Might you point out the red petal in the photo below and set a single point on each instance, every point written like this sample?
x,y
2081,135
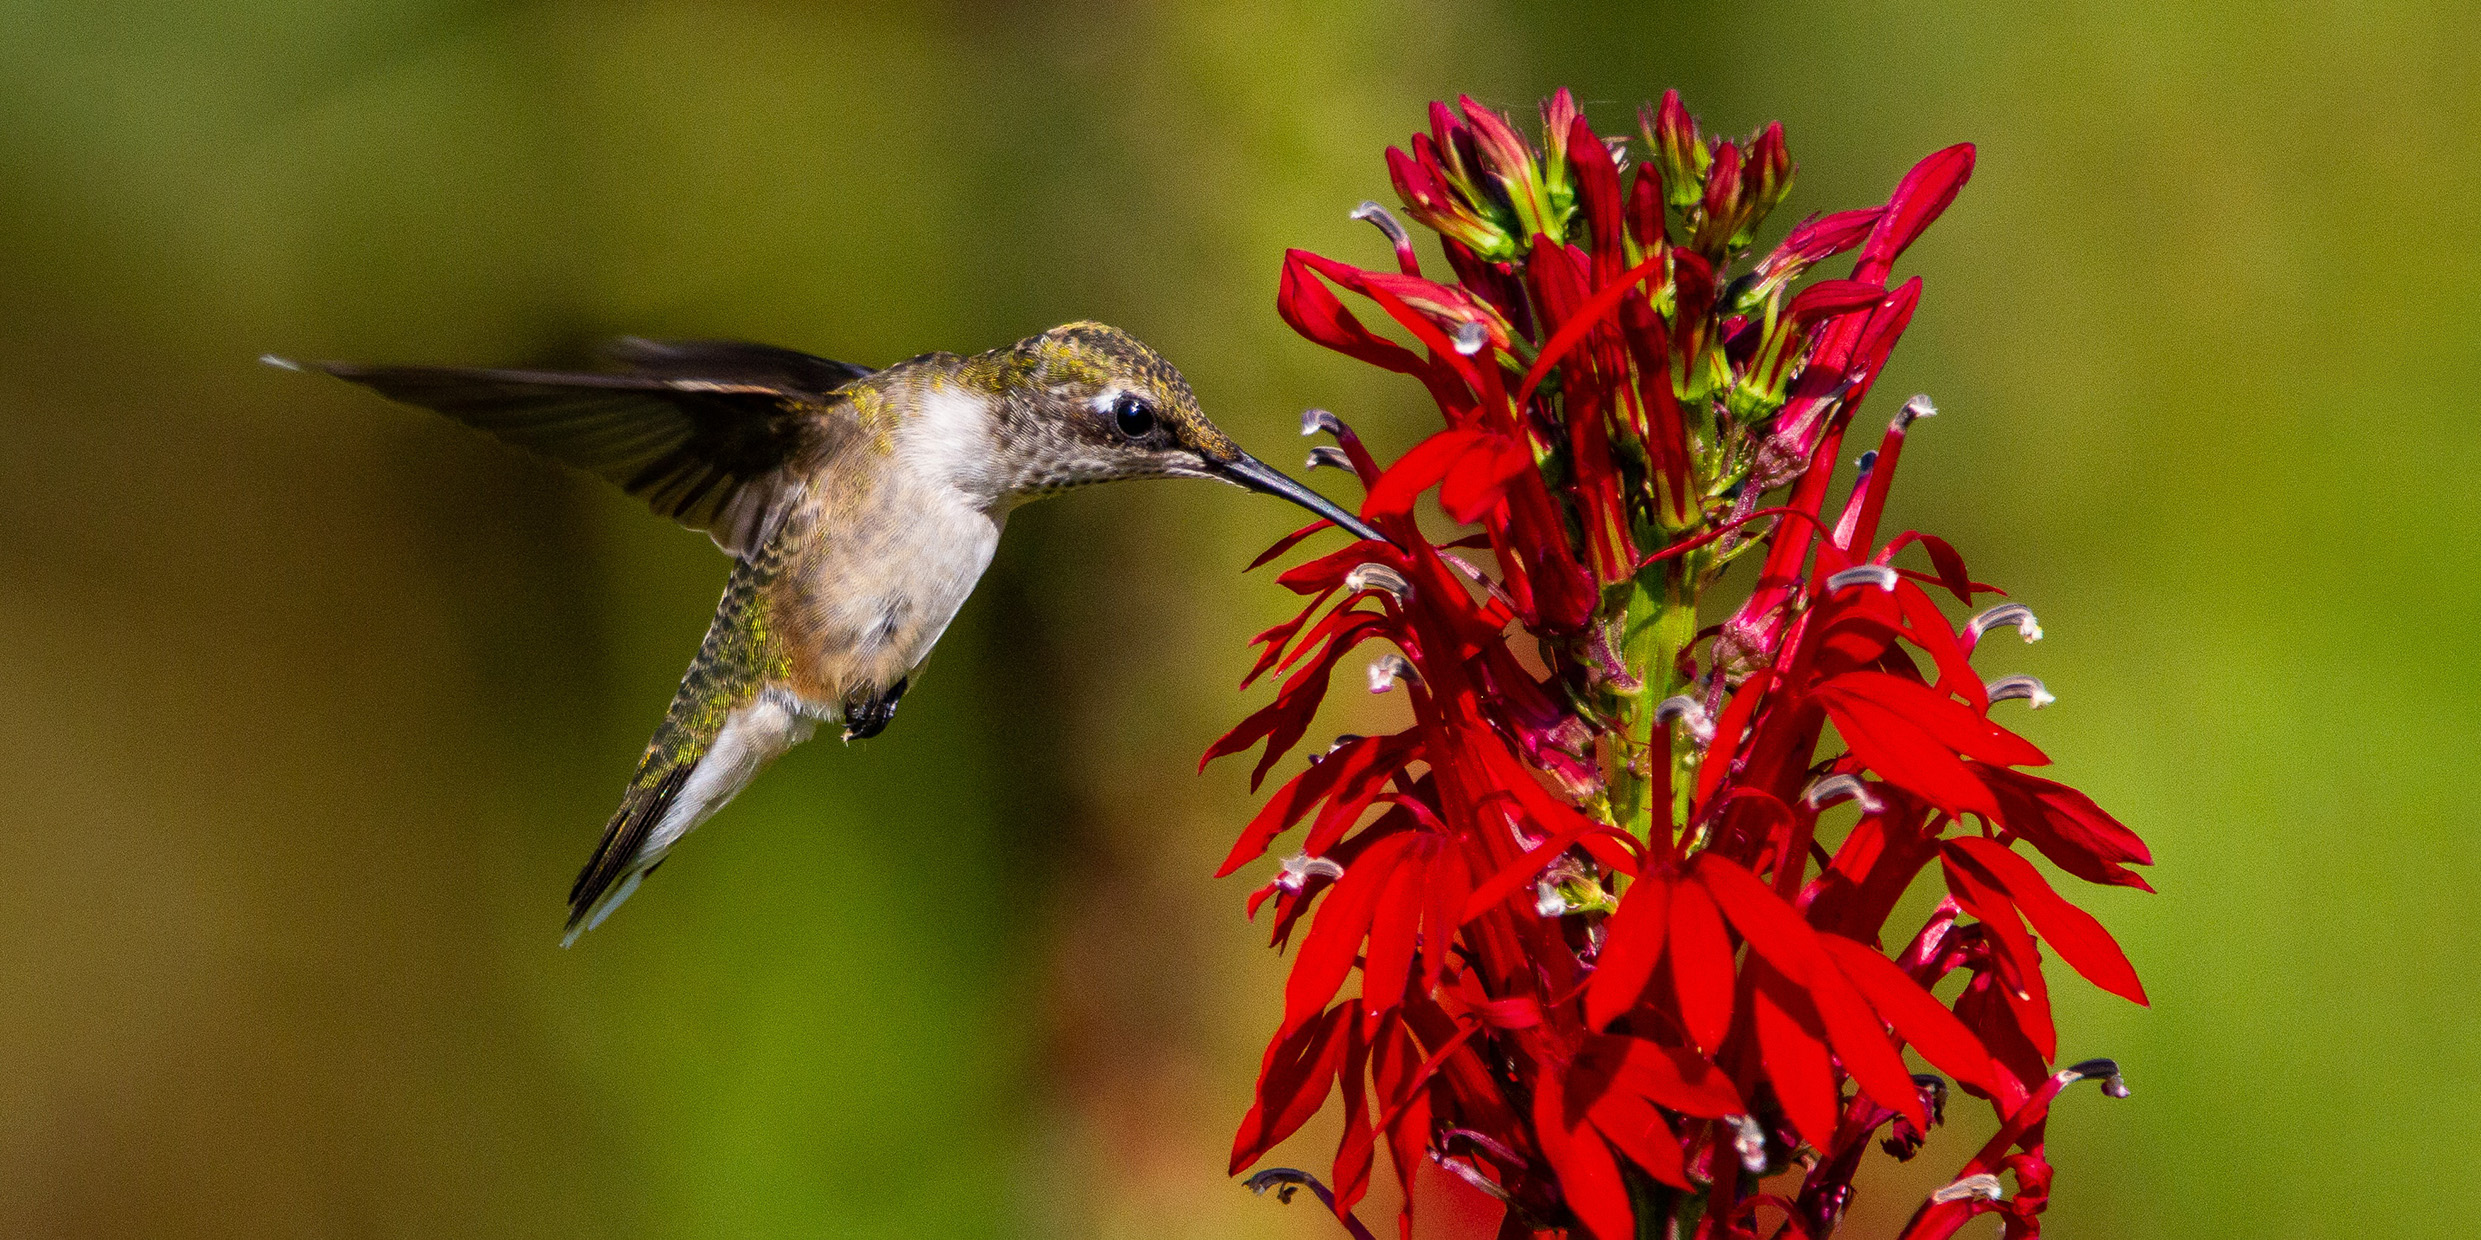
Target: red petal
x,y
1955,725
1632,945
1701,966
1776,932
1316,312
1828,298
1293,800
1392,930
1589,1178
1640,1132
2067,827
1915,1013
1592,314
1336,931
1669,1075
1351,1179
1475,484
2079,939
1292,1085
1419,469
2018,962
1793,1045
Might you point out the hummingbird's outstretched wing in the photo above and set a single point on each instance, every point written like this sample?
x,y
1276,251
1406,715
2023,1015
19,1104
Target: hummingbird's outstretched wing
x,y
706,432
735,361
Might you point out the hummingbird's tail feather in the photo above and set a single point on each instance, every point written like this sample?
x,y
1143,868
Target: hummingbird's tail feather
x,y
725,725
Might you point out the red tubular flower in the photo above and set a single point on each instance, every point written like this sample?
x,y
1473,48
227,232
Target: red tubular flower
x,y
1621,961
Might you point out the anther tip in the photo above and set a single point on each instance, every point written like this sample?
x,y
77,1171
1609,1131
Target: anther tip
x,y
1914,410
1387,669
1878,575
1470,337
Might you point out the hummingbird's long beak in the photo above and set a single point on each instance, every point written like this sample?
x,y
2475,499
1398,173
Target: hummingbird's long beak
x,y
1248,471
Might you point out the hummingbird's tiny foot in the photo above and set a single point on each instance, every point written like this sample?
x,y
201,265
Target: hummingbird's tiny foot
x,y
869,717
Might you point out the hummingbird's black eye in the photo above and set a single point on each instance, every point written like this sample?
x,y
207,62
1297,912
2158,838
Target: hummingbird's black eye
x,y
1134,416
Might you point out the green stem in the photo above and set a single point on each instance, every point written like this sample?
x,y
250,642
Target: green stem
x,y
1660,621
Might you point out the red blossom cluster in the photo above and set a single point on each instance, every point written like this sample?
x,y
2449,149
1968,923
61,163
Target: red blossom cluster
x,y
1614,972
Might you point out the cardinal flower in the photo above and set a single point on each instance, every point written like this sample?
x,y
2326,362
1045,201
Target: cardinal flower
x,y
1618,894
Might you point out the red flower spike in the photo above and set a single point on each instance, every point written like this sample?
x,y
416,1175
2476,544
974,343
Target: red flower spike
x,y
1515,1022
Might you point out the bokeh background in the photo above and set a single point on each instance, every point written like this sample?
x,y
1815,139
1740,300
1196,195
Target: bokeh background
x,y
311,704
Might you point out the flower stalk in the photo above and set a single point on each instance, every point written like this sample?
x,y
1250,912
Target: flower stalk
x,y
1618,893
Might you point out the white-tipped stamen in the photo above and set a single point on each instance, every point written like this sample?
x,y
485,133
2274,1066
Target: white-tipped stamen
x,y
1618,147
1299,868
1832,788
1878,575
2013,688
1329,455
1386,221
1749,1140
1548,900
1316,420
1981,1187
280,363
2005,613
1914,410
1690,712
1387,669
1377,577
1470,337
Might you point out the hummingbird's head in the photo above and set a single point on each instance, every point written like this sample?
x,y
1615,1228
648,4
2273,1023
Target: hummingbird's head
x,y
1104,407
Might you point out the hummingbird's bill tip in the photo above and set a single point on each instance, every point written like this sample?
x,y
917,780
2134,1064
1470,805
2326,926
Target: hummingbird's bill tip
x,y
1256,475
280,363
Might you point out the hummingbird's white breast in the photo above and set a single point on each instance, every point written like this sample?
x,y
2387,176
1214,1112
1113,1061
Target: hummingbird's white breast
x,y
894,547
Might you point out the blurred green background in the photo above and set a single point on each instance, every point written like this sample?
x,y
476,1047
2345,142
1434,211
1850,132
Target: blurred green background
x,y
312,704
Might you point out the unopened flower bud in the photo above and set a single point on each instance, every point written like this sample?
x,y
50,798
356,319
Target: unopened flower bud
x,y
2025,688
1672,135
1769,171
1727,207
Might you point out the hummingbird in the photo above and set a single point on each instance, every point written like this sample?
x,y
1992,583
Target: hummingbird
x,y
859,507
